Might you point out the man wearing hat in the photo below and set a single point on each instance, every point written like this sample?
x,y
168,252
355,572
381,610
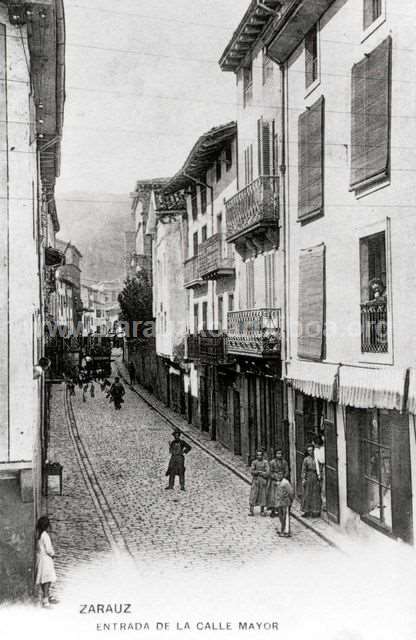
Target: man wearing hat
x,y
178,449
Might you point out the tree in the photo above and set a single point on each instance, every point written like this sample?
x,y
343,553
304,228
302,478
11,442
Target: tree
x,y
136,299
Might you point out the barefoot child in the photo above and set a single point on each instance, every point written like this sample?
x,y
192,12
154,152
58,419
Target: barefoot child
x,y
284,499
45,570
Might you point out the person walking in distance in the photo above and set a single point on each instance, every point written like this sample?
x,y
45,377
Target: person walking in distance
x,y
277,464
45,570
132,373
178,448
117,392
260,472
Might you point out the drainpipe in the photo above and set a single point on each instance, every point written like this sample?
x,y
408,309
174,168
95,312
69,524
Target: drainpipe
x,y
285,243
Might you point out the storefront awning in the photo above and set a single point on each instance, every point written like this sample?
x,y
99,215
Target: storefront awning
x,y
372,388
411,398
315,379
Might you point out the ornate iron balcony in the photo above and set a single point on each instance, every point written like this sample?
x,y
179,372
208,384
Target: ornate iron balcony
x,y
374,327
254,210
212,347
215,258
254,332
192,277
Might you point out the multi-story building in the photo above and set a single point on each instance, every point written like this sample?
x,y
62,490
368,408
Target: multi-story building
x,y
93,317
31,106
347,194
254,229
207,178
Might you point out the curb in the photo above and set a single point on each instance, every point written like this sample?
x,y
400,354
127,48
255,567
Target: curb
x,y
218,459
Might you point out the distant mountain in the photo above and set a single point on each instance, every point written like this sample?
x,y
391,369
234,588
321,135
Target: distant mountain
x,y
96,223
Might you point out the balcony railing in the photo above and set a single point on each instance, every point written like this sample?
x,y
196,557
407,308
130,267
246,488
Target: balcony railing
x,y
374,327
257,205
192,346
192,276
254,332
209,347
212,348
215,258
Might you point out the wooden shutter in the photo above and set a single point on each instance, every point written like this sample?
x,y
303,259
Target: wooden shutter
x,y
311,303
401,483
311,161
265,141
370,117
355,418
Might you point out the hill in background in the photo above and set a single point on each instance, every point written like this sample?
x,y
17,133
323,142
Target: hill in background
x,y
96,223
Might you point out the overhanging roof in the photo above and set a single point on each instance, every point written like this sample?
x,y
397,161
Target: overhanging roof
x,y
255,19
203,154
288,31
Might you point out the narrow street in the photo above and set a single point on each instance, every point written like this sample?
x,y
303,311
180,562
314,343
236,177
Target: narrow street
x,y
128,451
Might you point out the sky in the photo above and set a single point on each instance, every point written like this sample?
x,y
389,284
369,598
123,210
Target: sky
x,y
142,84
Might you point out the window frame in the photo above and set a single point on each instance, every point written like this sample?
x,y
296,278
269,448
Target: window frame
x,y
218,169
203,196
267,67
381,19
316,81
247,83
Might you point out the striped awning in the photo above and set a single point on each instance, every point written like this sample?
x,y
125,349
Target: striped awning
x,y
367,388
315,379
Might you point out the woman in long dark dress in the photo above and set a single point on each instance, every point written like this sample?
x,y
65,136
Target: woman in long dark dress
x,y
311,484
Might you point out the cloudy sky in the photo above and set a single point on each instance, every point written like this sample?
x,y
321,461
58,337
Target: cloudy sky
x,y
143,82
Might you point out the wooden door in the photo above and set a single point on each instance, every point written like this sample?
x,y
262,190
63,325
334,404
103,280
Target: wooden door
x,y
203,391
331,490
237,423
252,417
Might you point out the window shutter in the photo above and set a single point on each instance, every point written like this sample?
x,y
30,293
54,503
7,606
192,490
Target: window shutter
x,y
311,161
370,117
352,441
401,485
260,145
311,303
267,148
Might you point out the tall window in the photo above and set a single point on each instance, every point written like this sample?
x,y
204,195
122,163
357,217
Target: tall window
x,y
220,313
195,243
248,164
194,202
218,169
311,161
230,302
204,316
376,469
219,223
204,233
250,295
203,192
372,10
374,338
247,84
311,56
228,156
196,318
269,280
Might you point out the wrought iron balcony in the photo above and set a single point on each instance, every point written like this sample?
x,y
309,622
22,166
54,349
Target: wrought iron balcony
x,y
215,258
253,215
254,332
192,346
192,276
374,327
212,347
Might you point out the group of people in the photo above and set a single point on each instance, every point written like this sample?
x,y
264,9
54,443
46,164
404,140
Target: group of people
x,y
114,391
271,488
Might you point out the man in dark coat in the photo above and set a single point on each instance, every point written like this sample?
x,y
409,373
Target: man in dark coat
x,y
178,449
132,373
117,392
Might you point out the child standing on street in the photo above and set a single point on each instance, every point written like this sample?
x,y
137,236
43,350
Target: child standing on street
x,y
284,499
45,570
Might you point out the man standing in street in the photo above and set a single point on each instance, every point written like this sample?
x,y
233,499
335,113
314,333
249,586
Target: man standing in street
x,y
132,373
260,473
117,392
178,449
